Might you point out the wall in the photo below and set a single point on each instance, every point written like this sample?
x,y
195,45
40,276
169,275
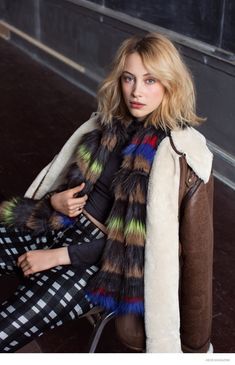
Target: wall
x,y
211,21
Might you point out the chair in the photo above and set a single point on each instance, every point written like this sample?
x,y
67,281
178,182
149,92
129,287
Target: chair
x,y
98,319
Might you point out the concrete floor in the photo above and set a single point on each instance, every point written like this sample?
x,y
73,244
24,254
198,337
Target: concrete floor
x,y
39,111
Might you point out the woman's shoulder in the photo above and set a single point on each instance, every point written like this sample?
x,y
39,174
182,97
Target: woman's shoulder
x,y
189,140
192,144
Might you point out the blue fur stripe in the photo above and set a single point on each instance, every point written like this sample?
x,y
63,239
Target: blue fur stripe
x,y
105,301
145,150
135,308
110,304
129,149
65,220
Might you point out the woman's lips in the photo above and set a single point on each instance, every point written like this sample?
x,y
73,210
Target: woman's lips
x,y
136,105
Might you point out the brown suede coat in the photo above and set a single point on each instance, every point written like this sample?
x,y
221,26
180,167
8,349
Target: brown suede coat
x,y
196,260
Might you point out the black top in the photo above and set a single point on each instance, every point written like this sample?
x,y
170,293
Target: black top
x,y
100,199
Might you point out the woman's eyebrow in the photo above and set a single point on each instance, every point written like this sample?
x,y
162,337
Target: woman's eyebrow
x,y
128,72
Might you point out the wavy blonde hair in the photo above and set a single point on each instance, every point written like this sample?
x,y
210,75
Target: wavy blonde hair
x,y
161,58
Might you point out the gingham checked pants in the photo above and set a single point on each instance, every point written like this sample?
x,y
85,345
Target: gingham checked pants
x,y
46,299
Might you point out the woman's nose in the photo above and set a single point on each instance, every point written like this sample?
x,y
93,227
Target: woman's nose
x,y
137,89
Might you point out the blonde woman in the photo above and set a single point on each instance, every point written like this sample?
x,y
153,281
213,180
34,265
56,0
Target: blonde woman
x,y
122,217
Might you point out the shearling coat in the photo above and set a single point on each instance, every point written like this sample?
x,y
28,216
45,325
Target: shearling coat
x,y
179,242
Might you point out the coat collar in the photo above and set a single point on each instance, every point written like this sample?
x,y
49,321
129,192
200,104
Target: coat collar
x,y
192,144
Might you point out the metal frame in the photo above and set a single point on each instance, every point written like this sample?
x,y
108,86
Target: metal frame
x,y
98,319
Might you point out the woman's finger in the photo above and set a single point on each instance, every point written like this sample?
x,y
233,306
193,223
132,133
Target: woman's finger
x,y
21,259
74,213
78,201
28,272
75,207
24,265
74,204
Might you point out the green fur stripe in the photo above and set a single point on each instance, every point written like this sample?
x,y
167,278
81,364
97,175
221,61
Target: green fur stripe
x,y
7,212
115,224
96,168
84,153
135,226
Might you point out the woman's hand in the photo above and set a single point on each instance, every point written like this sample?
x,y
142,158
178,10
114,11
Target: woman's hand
x,y
65,202
39,260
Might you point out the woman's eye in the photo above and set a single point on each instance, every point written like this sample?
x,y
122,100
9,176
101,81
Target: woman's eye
x,y
150,81
127,78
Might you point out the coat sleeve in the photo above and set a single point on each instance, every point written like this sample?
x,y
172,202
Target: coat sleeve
x,y
196,262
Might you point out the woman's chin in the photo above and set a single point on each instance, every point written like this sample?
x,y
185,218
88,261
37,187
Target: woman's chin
x,y
138,115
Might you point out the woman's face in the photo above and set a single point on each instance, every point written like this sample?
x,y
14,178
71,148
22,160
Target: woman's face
x,y
142,92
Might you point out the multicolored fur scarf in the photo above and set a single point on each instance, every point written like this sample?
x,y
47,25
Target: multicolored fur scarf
x,y
119,285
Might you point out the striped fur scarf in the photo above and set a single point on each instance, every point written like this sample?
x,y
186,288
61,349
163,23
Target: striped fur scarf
x,y
119,284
